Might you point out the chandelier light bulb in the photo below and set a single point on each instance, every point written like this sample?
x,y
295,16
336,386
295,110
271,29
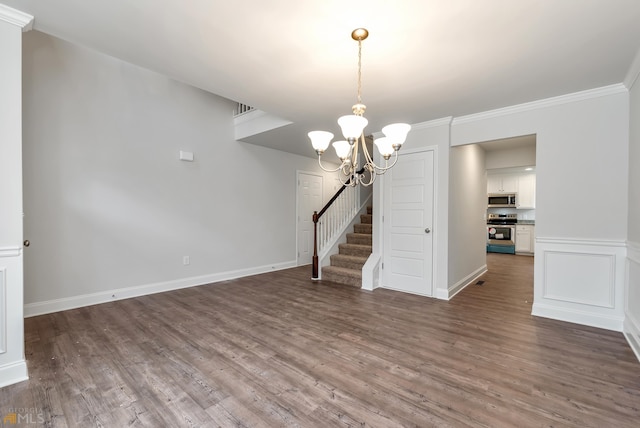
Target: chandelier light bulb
x,y
320,140
397,133
343,149
385,147
352,126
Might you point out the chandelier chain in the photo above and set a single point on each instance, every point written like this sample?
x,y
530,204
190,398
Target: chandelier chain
x,y
359,71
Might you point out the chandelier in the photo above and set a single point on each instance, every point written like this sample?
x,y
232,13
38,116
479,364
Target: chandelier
x,y
353,131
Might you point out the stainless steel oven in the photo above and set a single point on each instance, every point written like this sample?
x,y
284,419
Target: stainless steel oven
x,y
501,233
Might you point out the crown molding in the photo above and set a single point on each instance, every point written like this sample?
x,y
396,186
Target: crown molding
x,y
16,17
633,73
433,123
547,102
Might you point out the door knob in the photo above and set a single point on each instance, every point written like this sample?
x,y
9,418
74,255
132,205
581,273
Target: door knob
x,y
427,230
26,243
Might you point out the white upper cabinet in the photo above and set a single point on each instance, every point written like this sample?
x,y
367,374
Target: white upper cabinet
x,y
526,198
523,184
502,183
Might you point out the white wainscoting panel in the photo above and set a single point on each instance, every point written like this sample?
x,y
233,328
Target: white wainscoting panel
x,y
632,298
580,281
587,279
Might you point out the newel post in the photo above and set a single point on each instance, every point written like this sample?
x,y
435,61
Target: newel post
x,y
314,264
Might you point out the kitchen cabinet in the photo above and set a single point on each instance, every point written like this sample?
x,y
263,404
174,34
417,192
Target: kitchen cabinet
x,y
526,198
525,239
502,183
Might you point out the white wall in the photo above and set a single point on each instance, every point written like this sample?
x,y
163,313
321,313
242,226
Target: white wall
x,y
581,179
632,309
109,207
467,211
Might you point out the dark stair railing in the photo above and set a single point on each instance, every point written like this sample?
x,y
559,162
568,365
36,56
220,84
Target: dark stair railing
x,y
316,217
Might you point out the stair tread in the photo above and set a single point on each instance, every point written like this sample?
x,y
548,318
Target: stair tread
x,y
350,257
355,245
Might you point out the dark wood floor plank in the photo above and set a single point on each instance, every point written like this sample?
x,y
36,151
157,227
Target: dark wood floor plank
x,y
280,350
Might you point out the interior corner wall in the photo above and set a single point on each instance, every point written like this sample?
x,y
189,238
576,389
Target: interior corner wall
x,y
467,216
582,148
632,309
111,211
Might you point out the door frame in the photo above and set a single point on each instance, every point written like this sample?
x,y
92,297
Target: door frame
x,y
297,222
378,228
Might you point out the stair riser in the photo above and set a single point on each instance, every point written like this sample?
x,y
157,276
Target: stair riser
x,y
346,264
342,279
350,250
366,218
363,228
359,238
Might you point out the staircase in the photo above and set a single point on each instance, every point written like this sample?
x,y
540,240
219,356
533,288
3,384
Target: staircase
x,y
346,266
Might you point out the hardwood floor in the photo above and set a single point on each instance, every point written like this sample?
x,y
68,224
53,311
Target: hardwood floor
x,y
279,350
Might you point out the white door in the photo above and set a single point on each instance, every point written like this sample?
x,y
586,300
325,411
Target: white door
x,y
309,200
408,223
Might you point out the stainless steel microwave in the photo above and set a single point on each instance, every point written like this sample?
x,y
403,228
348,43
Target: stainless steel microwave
x,y
501,200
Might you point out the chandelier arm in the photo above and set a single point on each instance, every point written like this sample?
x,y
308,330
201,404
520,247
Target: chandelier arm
x,y
382,170
367,155
326,169
372,178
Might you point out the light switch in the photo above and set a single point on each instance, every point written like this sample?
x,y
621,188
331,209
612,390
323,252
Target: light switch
x,y
186,156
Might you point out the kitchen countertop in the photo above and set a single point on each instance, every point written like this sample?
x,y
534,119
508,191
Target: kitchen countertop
x,y
531,222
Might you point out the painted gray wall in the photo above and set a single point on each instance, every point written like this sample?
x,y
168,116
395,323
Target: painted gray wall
x,y
109,205
632,313
582,169
507,158
467,210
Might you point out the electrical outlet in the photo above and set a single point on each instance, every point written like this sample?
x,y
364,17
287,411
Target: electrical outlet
x,y
185,260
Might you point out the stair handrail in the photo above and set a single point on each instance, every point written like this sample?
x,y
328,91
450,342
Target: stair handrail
x,y
316,217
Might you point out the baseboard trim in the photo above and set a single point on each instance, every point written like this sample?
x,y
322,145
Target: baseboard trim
x,y
462,284
13,373
57,305
578,317
632,334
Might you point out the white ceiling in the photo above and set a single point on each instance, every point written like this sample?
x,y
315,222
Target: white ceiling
x,y
423,60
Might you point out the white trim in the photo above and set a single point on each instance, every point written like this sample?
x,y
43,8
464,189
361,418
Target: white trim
x,y
631,328
40,308
13,373
581,241
10,252
577,316
423,125
16,17
462,284
547,102
634,71
633,251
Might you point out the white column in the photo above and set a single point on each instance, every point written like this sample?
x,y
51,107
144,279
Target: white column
x,y
13,367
